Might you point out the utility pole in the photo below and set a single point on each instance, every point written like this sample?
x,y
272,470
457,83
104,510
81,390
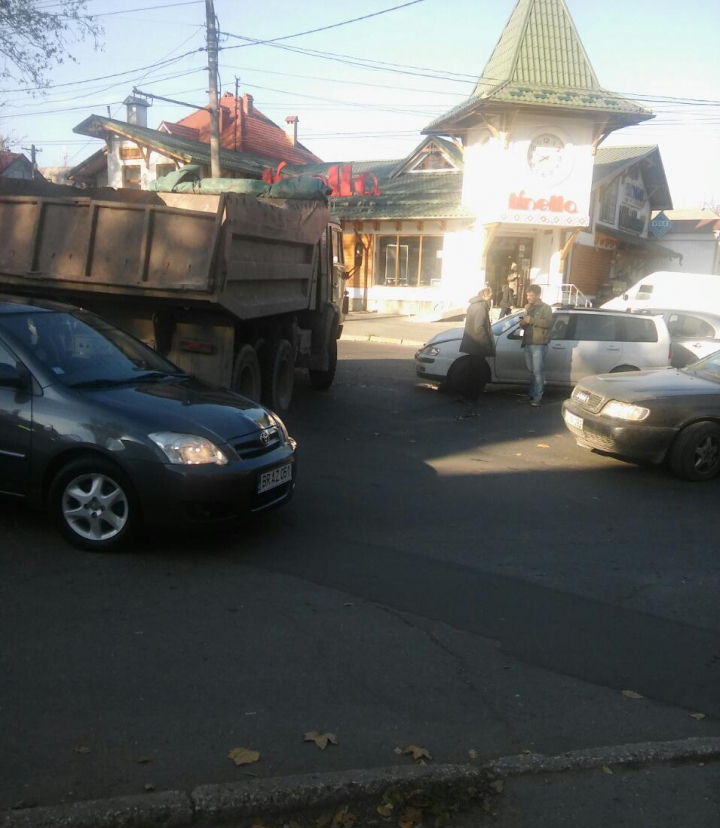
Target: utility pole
x,y
33,150
212,48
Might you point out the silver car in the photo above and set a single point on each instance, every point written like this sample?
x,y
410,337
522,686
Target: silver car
x,y
694,334
583,342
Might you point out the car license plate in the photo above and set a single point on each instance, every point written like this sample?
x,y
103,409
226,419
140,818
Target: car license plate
x,y
573,420
276,477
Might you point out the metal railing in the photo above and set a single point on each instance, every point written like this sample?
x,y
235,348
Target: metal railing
x,y
570,295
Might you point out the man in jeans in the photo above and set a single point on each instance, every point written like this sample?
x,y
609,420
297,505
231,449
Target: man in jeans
x,y
537,323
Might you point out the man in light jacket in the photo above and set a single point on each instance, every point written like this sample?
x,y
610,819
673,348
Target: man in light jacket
x,y
537,323
478,341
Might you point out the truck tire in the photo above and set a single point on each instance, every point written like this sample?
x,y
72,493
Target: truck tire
x,y
278,375
322,380
246,377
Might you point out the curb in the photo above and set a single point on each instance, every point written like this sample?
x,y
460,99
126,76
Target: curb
x,y
383,340
217,805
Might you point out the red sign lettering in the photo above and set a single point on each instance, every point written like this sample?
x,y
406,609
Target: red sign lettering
x,y
555,204
339,179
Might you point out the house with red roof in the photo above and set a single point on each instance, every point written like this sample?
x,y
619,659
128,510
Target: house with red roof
x,y
135,154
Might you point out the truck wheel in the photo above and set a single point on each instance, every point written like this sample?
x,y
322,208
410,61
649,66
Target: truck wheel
x,y
278,375
94,504
322,380
695,454
246,378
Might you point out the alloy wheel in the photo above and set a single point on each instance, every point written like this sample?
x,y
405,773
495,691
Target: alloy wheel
x,y
95,507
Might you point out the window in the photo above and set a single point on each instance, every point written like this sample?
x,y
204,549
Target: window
x,y
680,324
161,170
6,358
131,177
608,207
410,261
639,330
644,292
595,327
561,322
337,248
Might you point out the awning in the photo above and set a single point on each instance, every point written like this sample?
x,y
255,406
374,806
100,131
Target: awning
x,y
636,241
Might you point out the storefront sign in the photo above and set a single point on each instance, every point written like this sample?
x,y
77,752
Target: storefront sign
x,y
554,204
605,242
553,211
660,225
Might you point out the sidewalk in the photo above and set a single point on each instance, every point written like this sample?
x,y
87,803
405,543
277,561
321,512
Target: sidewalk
x,y
392,329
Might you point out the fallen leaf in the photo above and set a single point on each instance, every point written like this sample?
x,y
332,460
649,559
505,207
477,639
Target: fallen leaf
x,y
398,751
148,787
526,752
344,818
323,820
473,754
498,785
697,716
543,445
81,749
606,769
385,811
321,739
631,694
294,824
244,756
411,816
417,753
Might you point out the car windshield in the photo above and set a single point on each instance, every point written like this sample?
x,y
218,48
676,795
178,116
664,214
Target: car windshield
x,y
83,350
709,368
505,323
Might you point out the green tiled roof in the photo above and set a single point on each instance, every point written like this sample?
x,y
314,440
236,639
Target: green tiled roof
x,y
427,195
540,61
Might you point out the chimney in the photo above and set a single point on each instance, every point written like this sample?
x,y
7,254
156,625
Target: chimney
x,y
248,104
291,128
136,111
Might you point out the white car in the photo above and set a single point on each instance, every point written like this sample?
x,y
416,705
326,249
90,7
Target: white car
x,y
583,342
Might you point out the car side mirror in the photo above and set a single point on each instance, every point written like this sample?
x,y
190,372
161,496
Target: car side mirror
x,y
11,377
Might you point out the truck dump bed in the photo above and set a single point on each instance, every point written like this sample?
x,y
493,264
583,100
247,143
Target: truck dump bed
x,y
252,257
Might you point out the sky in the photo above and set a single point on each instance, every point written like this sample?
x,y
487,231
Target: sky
x,y
425,59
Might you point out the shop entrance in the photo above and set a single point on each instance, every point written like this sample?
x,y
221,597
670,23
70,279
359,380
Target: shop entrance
x,y
504,252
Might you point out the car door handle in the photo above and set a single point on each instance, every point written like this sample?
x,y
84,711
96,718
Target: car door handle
x,y
697,345
614,348
558,347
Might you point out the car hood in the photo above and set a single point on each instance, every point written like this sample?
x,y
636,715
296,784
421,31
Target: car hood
x,y
187,406
637,386
445,336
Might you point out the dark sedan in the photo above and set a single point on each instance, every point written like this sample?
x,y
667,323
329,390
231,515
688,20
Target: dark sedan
x,y
658,415
107,434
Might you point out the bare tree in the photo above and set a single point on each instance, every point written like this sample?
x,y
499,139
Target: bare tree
x,y
34,39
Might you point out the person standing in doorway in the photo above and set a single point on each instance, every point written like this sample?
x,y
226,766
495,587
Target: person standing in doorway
x,y
536,324
478,341
507,297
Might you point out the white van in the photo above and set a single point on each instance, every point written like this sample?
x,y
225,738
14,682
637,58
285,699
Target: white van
x,y
667,289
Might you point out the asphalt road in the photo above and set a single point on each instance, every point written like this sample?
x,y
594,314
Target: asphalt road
x,y
462,579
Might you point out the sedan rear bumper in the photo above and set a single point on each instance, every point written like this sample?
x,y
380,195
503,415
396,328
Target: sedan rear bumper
x,y
635,440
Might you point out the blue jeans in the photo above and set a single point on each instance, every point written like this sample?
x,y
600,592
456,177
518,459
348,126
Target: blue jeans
x,y
535,361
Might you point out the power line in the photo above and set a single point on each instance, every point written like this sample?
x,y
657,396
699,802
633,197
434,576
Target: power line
x,y
324,28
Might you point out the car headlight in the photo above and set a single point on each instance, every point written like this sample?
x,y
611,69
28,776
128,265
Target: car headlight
x,y
624,411
188,449
430,350
280,427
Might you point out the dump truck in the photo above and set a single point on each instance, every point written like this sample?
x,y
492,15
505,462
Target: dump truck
x,y
236,289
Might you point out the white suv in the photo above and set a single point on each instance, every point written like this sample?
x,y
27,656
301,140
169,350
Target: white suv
x,y
583,342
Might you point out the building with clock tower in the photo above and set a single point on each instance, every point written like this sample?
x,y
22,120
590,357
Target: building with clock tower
x,y
530,131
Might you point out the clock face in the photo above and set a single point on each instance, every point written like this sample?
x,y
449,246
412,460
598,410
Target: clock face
x,y
548,158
